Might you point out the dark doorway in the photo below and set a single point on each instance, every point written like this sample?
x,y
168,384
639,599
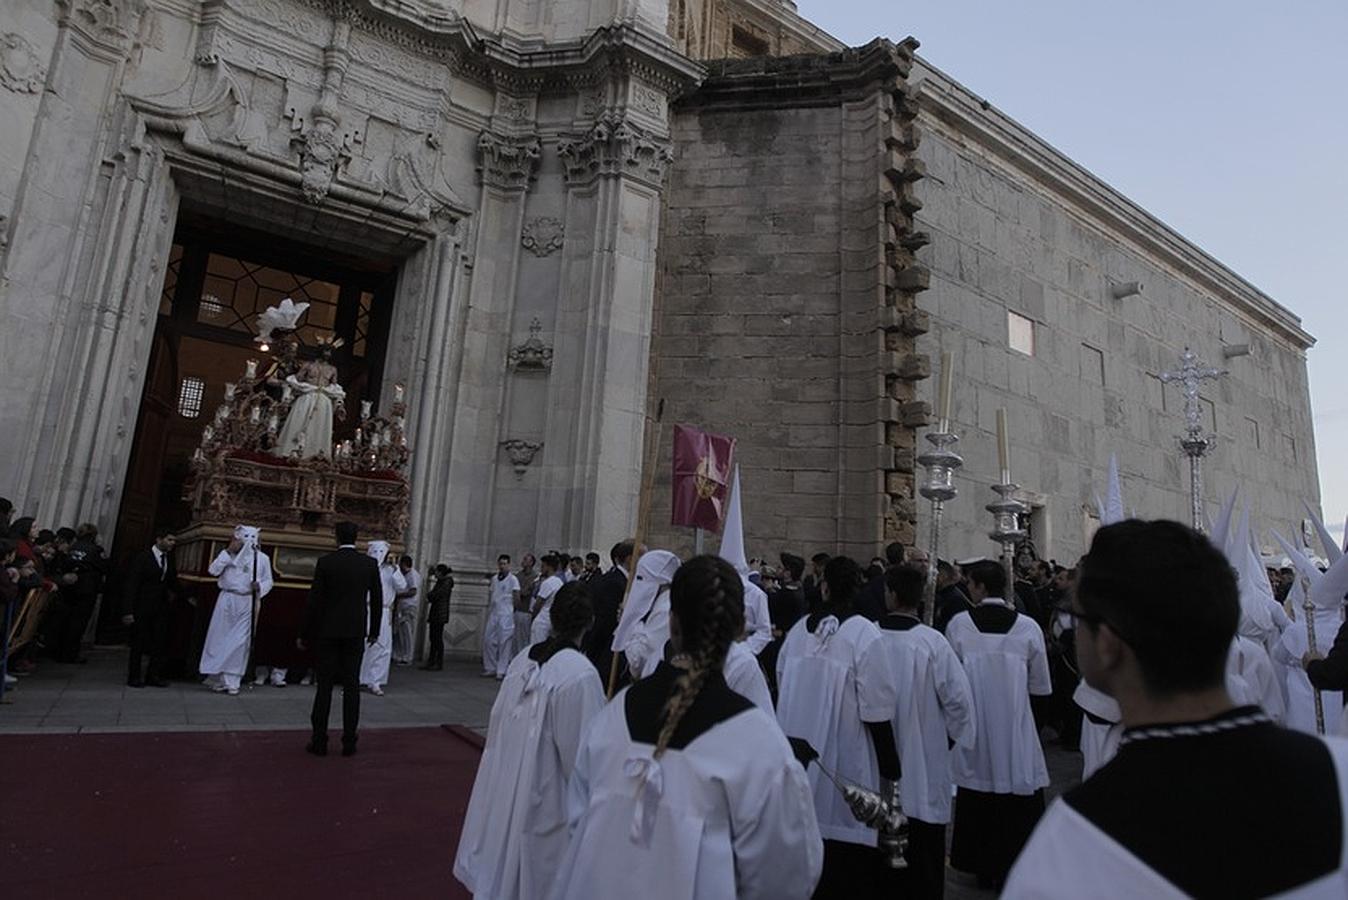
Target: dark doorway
x,y
218,279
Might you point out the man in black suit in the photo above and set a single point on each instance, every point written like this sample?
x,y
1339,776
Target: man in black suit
x,y
151,578
346,594
606,593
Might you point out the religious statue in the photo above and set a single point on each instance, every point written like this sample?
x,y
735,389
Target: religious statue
x,y
307,432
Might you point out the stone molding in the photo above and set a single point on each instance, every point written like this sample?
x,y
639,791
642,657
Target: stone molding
x,y
616,147
21,69
521,454
534,355
953,106
507,162
109,24
542,236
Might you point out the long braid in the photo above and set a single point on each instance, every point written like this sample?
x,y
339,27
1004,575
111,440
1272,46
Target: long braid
x,y
708,599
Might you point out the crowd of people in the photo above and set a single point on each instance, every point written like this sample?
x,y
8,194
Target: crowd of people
x,y
692,782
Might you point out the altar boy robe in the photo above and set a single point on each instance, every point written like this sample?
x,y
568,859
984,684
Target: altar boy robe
x,y
724,814
514,833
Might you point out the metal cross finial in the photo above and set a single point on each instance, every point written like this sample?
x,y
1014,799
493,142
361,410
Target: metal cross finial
x,y
1194,442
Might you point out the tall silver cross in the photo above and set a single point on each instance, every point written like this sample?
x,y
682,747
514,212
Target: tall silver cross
x,y
1190,375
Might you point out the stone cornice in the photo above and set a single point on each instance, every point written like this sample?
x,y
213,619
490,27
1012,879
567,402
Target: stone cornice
x,y
793,24
803,81
953,105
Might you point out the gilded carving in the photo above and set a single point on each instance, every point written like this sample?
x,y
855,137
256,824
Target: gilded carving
x,y
542,236
21,69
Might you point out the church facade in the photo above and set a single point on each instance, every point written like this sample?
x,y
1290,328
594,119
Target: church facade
x,y
541,218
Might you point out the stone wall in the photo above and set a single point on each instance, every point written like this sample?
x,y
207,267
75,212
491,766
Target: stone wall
x,y
786,301
1017,228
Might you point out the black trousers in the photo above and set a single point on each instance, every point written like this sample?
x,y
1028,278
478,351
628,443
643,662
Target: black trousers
x,y
437,635
74,617
851,872
337,661
149,637
924,879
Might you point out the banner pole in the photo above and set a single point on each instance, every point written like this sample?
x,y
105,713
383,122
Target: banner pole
x,y
699,535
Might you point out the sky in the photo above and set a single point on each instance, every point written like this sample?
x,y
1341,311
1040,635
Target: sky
x,y
1226,119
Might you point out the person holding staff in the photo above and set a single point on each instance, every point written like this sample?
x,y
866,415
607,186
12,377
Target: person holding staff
x,y
244,576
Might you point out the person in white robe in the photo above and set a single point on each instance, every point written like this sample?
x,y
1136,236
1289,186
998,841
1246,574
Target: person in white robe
x,y
515,830
243,574
550,582
934,710
1251,679
1100,728
407,614
1195,775
682,789
1292,648
1001,779
643,626
498,636
757,621
838,691
374,665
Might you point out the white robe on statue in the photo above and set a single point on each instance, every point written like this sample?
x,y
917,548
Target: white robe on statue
x,y
514,834
308,426
374,664
934,707
1004,670
728,816
829,683
225,655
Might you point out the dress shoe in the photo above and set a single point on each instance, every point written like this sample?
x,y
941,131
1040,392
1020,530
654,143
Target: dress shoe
x,y
348,749
136,683
316,749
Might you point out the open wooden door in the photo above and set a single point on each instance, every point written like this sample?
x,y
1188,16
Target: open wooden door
x,y
140,497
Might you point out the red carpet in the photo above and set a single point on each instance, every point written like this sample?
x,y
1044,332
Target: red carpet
x,y
232,814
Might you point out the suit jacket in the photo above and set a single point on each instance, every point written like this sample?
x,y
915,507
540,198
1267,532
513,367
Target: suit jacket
x,y
145,585
606,593
346,594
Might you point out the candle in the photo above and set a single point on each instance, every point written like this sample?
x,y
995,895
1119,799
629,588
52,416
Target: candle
x,y
1003,447
221,413
398,392
364,409
250,369
229,390
206,434
255,415
374,441
273,423
945,395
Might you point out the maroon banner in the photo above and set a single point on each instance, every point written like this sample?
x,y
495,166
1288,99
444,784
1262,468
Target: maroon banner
x,y
702,466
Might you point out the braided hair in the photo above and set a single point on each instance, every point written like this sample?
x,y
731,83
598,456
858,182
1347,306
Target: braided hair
x,y
706,598
572,615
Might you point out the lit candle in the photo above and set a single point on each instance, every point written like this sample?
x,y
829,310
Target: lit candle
x,y
206,434
221,413
364,409
250,369
229,390
947,374
1003,447
255,415
374,441
273,423
398,392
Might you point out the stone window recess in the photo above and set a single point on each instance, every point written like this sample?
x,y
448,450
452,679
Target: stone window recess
x,y
1020,333
1092,365
190,393
1252,432
1289,447
744,43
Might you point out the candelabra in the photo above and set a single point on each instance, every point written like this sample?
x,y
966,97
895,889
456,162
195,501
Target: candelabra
x,y
1006,512
941,462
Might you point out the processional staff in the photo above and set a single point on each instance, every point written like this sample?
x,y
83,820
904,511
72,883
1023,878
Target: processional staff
x,y
941,462
1194,442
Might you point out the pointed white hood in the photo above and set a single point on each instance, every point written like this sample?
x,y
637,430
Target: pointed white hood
x,y
732,534
1333,552
1221,531
655,570
1112,511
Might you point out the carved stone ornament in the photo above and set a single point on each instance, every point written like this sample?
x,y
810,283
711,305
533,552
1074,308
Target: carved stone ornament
x,y
106,20
616,146
521,454
21,69
542,236
533,355
321,154
507,162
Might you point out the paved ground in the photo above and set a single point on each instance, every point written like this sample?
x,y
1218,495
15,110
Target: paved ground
x,y
94,698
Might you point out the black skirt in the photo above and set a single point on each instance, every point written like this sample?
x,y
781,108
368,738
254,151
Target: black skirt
x,y
990,831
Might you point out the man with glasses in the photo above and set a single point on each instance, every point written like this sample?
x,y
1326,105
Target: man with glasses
x,y
1196,778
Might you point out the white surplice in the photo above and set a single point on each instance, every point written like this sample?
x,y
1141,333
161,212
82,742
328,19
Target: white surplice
x,y
757,621
1099,742
1250,678
745,677
728,817
225,655
514,834
934,707
830,682
542,624
1070,858
1004,670
374,664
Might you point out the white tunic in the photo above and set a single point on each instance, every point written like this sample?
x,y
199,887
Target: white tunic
x,y
1004,670
729,816
745,677
646,639
226,650
742,673
1099,742
375,663
1300,696
1071,858
542,625
1250,678
757,621
934,707
829,683
514,833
